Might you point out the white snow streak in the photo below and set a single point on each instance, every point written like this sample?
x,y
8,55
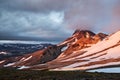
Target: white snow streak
x,y
2,61
10,64
27,58
23,67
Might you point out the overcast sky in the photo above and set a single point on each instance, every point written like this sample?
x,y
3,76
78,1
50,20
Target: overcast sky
x,y
55,20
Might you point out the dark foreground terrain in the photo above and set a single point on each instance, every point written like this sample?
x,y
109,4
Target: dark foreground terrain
x,y
13,74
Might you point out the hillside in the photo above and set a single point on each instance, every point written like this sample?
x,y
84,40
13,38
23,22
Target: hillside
x,y
84,50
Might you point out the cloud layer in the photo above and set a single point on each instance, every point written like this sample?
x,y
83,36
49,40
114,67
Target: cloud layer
x,y
55,20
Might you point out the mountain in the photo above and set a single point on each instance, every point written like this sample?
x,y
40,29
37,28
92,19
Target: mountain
x,y
84,50
37,57
17,48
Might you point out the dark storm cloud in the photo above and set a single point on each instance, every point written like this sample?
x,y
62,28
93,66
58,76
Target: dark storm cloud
x,y
53,19
24,24
36,5
22,19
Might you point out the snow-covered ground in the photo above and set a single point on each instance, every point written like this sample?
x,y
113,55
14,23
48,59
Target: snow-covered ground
x,y
108,49
107,70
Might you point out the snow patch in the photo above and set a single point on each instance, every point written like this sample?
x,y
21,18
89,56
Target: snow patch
x,y
64,48
62,43
23,67
2,61
10,64
22,59
107,70
27,58
3,53
67,69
